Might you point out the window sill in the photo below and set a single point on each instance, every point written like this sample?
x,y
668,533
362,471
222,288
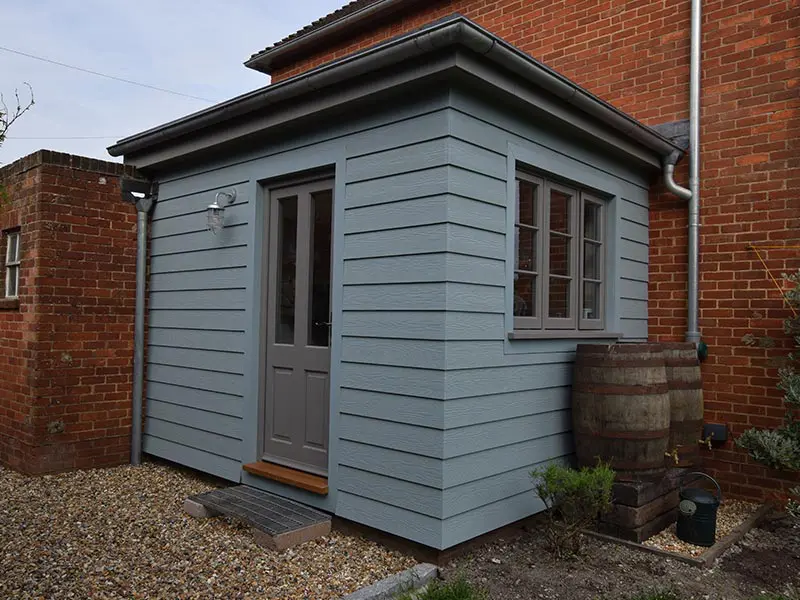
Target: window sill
x,y
521,334
9,303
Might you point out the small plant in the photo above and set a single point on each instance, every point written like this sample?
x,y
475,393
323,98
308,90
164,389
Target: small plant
x,y
793,506
457,588
574,499
791,593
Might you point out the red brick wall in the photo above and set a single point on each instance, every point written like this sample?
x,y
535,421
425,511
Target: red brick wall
x,y
636,56
18,197
75,316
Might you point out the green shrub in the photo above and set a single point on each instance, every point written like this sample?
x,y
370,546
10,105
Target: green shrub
x,y
780,448
457,588
771,447
574,499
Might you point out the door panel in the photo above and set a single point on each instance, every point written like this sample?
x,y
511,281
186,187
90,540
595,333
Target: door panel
x,y
298,334
316,429
281,413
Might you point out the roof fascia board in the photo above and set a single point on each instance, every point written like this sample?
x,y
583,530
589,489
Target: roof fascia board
x,y
567,114
260,125
334,74
452,32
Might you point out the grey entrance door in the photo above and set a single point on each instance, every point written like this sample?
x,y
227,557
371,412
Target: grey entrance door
x,y
298,309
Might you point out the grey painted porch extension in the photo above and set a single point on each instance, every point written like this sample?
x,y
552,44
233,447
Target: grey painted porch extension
x,y
436,416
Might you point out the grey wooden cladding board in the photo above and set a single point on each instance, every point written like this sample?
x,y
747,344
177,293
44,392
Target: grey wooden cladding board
x,y
267,512
444,208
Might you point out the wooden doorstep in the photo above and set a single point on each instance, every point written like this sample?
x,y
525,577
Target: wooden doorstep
x,y
293,477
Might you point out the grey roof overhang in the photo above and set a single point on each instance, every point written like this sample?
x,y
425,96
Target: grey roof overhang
x,y
455,44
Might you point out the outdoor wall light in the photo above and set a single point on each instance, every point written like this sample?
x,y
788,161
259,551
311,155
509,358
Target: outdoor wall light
x,y
216,210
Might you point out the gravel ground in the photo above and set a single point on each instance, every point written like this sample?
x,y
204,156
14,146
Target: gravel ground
x,y
520,568
730,515
121,533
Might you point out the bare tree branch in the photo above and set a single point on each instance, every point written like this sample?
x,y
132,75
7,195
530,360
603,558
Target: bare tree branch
x,y
8,117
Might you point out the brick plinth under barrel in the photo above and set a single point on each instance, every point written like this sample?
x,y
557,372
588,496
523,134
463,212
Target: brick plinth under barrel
x,y
642,509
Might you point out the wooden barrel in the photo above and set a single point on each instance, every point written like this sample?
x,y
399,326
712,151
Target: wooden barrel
x,y
686,402
621,408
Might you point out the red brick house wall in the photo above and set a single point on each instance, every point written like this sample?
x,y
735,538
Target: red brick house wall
x,y
635,54
65,371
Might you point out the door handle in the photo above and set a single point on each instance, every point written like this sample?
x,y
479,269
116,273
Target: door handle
x,y
328,323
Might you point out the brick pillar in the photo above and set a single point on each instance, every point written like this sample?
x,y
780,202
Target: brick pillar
x,y
71,333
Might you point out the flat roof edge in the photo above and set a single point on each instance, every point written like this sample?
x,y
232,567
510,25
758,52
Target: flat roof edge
x,y
450,32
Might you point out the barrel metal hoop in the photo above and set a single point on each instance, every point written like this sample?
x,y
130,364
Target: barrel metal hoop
x,y
685,385
621,389
681,364
625,435
588,360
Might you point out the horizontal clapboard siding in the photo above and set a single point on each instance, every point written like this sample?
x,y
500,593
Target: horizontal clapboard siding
x,y
631,283
439,416
424,340
398,249
507,403
198,319
200,289
392,519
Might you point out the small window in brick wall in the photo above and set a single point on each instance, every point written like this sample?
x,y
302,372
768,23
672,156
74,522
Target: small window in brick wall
x,y
12,263
559,260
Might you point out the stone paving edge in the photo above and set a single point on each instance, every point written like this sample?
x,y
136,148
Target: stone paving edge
x,y
405,581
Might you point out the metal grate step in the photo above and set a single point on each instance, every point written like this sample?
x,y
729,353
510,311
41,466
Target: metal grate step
x,y
284,521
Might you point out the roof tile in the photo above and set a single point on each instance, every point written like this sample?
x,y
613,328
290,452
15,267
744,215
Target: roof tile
x,y
347,9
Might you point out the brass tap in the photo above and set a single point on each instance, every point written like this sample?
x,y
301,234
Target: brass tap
x,y
707,441
673,455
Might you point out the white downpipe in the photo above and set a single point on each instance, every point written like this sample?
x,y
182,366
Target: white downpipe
x,y
692,194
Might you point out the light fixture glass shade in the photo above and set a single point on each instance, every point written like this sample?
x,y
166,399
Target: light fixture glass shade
x,y
216,218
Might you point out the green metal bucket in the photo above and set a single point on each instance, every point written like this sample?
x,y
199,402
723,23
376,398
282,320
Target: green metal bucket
x,y
697,513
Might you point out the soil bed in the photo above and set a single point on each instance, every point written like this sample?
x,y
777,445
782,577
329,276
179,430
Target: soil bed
x,y
731,514
122,533
766,560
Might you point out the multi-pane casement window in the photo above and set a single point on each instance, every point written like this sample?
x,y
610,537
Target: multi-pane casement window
x,y
12,264
559,257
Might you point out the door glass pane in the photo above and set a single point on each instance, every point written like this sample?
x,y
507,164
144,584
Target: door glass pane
x,y
560,254
526,202
526,250
591,221
524,295
591,260
559,298
560,208
591,300
287,270
320,289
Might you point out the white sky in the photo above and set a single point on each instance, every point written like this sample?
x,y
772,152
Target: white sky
x,y
196,47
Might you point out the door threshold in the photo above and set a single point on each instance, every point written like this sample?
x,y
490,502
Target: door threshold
x,y
293,477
